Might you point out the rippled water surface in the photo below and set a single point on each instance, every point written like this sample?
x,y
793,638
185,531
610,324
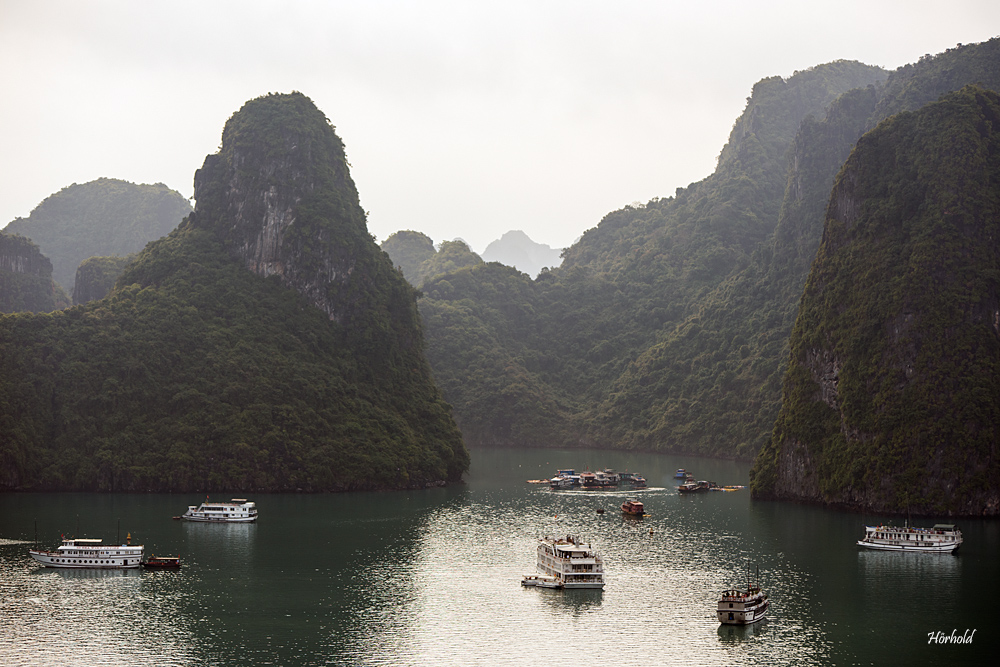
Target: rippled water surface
x,y
432,578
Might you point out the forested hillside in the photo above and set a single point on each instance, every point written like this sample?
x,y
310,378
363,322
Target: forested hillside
x,y
565,348
414,253
892,398
265,344
100,218
667,325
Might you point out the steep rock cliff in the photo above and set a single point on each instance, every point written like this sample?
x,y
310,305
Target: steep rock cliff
x,y
96,276
892,398
26,278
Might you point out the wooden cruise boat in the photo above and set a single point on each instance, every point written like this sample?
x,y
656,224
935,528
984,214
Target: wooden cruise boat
x,y
633,508
743,606
566,563
942,538
696,487
90,554
237,511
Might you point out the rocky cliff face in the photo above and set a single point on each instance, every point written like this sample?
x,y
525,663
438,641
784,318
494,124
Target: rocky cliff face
x,y
281,198
96,276
26,277
892,400
20,255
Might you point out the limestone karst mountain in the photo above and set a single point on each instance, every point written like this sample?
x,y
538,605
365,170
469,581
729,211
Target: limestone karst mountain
x,y
266,343
104,217
515,248
892,397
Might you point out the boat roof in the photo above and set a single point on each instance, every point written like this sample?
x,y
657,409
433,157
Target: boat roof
x,y
944,526
83,540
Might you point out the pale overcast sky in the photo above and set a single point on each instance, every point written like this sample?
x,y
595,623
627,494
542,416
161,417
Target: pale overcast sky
x,y
461,118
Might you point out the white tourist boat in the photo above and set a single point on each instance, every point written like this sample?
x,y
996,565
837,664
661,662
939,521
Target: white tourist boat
x,y
239,510
743,606
566,563
942,538
90,554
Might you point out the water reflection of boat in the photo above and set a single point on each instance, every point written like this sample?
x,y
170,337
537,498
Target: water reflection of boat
x,y
133,573
736,633
574,603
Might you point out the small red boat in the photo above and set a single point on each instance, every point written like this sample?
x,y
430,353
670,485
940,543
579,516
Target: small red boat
x,y
162,562
633,508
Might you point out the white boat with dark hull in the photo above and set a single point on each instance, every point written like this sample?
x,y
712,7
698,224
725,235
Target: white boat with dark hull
x,y
743,606
942,538
237,511
89,554
566,563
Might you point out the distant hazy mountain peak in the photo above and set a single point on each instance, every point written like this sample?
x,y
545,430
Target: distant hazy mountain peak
x,y
516,249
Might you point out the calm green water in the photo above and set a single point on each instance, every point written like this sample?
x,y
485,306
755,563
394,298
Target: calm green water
x,y
432,578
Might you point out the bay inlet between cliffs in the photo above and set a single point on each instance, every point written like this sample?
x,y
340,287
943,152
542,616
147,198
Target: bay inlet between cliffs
x,y
433,578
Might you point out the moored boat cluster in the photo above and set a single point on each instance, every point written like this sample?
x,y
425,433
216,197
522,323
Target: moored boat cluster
x,y
607,478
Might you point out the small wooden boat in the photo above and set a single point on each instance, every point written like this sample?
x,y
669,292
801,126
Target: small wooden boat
x,y
633,508
541,581
162,562
696,487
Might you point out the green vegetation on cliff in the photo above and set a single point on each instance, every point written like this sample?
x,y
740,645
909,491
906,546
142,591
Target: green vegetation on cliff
x,y
667,325
892,398
207,368
97,275
581,355
100,218
414,253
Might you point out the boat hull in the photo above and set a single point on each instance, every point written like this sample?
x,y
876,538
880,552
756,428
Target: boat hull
x,y
208,519
744,616
911,548
53,559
